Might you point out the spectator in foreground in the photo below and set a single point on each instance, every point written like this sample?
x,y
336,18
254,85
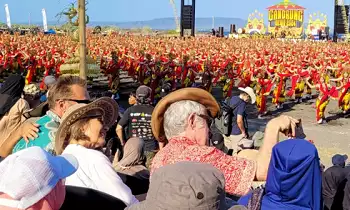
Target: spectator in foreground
x,y
333,183
138,121
183,117
346,199
293,180
69,90
32,179
186,185
132,166
12,106
82,133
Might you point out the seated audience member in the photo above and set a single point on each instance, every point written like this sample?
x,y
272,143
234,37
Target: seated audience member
x,y
49,81
32,95
333,183
346,198
186,185
12,106
141,113
293,180
132,166
183,117
32,179
82,133
69,90
85,198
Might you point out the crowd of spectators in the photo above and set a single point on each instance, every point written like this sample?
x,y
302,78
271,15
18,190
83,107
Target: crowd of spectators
x,y
58,155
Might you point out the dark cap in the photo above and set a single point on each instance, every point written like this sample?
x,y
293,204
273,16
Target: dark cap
x,y
143,92
339,160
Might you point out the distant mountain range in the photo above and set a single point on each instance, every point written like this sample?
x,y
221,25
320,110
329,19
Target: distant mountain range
x,y
169,23
202,24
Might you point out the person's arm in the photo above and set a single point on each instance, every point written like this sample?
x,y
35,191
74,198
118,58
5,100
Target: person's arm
x,y
240,124
27,130
308,84
121,124
284,124
240,120
119,131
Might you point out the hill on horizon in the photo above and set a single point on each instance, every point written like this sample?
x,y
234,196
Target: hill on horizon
x,y
167,23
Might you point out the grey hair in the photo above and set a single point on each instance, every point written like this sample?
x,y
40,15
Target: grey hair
x,y
176,116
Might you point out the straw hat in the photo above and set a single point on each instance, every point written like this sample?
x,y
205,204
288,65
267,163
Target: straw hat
x,y
105,107
194,94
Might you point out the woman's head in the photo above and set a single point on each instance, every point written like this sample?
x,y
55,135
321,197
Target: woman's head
x,y
86,124
132,98
294,175
87,131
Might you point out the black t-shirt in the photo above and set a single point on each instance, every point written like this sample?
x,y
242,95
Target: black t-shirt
x,y
138,120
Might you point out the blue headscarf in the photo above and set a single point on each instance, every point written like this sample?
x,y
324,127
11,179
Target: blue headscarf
x,y
294,178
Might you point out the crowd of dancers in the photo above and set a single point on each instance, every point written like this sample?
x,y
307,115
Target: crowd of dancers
x,y
282,69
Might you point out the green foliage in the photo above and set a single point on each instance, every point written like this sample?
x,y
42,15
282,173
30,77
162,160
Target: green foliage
x,y
146,30
172,32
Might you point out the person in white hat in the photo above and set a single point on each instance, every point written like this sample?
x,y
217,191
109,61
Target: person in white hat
x,y
32,179
238,140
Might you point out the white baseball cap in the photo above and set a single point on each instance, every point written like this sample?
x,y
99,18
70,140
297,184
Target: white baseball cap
x,y
29,175
250,92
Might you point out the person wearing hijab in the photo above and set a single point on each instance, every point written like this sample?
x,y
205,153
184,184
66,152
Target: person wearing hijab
x,y
333,183
131,167
293,180
12,106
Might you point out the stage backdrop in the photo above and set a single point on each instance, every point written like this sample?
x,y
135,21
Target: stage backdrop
x,y
286,18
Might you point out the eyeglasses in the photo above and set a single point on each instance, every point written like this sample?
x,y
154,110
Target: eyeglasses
x,y
208,119
77,101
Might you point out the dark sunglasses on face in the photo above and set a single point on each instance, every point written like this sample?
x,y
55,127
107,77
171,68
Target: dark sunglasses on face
x,y
77,101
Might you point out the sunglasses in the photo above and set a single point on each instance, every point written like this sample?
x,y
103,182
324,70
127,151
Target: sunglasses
x,y
77,101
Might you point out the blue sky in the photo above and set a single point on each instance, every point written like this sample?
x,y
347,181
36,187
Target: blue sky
x,y
133,10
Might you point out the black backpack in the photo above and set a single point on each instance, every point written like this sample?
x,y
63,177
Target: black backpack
x,y
224,120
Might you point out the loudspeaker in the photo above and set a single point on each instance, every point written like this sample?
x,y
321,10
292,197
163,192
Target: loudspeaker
x,y
188,17
232,29
339,26
221,31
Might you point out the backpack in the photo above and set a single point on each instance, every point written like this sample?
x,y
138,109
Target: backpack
x,y
224,120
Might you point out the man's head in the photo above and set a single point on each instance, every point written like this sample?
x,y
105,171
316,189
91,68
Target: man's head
x,y
247,95
68,91
187,118
143,94
49,81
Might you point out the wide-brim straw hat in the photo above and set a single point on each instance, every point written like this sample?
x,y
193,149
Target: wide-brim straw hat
x,y
193,94
105,107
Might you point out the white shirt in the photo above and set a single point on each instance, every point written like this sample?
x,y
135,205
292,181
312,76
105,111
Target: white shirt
x,y
96,172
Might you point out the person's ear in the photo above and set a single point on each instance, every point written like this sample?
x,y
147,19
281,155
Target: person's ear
x,y
191,121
